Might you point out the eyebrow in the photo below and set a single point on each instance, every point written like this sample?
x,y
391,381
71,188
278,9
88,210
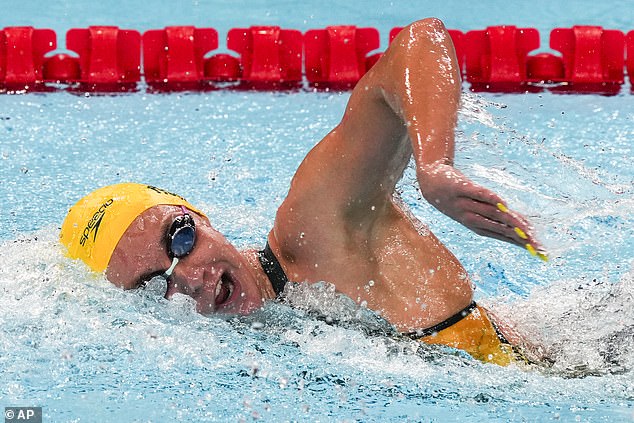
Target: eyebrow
x,y
146,276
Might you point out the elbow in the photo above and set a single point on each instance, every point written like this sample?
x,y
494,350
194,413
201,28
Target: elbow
x,y
426,28
421,39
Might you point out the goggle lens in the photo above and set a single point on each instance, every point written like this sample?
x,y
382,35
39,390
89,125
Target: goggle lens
x,y
180,242
182,236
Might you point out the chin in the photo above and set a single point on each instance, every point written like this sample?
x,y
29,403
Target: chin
x,y
250,306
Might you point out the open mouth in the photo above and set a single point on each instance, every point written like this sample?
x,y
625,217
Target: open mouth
x,y
224,289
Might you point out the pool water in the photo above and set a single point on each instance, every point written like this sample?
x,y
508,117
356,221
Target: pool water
x,y
86,351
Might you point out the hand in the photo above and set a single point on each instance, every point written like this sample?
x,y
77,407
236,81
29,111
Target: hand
x,y
476,207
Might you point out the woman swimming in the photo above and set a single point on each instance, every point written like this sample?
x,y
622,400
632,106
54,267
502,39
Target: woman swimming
x,y
340,221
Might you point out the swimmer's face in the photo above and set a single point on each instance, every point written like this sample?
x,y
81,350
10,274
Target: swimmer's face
x,y
214,273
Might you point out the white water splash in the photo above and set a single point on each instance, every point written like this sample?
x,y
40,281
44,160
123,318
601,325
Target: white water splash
x,y
584,327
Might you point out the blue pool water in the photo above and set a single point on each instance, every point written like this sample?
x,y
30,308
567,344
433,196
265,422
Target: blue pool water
x,y
86,351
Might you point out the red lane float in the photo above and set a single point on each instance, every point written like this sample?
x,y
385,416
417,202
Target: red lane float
x,y
630,57
108,59
592,60
107,54
174,57
269,55
498,58
22,50
337,57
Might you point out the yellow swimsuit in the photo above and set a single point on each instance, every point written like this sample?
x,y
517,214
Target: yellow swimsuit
x,y
472,331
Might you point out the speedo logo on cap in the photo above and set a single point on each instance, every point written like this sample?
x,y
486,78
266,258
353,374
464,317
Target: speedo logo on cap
x,y
92,227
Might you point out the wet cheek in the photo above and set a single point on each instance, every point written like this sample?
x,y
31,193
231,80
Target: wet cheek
x,y
116,278
140,224
134,258
140,249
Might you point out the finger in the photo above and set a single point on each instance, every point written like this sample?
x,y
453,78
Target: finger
x,y
523,229
503,237
479,193
515,218
487,210
499,212
512,226
491,229
486,227
494,235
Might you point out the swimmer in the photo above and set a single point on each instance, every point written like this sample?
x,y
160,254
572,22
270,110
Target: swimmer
x,y
340,222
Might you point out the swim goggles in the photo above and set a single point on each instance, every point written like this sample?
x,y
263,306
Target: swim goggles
x,y
180,242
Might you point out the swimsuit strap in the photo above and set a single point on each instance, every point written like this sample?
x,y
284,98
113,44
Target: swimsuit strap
x,y
273,269
417,334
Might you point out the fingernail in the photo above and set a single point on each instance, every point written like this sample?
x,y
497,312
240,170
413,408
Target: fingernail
x,y
520,233
502,208
542,256
531,250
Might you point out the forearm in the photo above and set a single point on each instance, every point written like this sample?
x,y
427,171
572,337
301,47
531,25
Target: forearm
x,y
406,104
419,79
409,98
422,85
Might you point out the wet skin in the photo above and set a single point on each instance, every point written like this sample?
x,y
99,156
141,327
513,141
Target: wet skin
x,y
340,221
216,275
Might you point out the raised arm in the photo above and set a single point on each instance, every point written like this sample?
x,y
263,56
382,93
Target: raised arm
x,y
406,104
424,91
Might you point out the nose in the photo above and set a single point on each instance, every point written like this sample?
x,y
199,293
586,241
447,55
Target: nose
x,y
194,281
178,283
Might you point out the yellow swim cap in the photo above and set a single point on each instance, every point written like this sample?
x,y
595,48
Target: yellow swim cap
x,y
93,227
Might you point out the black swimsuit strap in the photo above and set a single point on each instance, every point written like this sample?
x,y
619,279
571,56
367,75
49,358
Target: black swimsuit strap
x,y
417,334
273,269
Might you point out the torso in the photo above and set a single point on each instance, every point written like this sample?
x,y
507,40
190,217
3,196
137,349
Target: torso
x,y
402,272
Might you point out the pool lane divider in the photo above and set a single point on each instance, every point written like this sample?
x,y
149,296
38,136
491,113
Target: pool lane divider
x,y
110,59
